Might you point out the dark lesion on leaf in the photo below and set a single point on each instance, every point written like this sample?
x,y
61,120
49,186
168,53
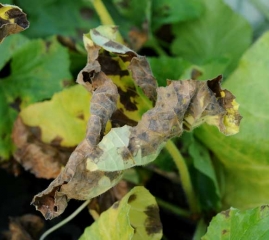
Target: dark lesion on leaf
x,y
20,17
116,205
16,104
114,45
125,98
224,231
3,21
88,76
110,66
214,85
132,198
264,207
152,223
226,213
119,119
112,175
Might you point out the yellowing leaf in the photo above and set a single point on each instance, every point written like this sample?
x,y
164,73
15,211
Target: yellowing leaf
x,y
134,217
63,118
96,166
12,20
245,155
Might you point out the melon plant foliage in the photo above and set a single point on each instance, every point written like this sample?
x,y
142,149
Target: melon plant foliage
x,y
136,107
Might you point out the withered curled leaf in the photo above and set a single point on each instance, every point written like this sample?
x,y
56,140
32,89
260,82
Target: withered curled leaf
x,y
96,164
75,181
12,20
41,159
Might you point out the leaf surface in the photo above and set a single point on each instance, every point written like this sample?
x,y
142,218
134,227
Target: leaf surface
x,y
166,12
239,225
37,71
211,36
45,15
135,217
245,155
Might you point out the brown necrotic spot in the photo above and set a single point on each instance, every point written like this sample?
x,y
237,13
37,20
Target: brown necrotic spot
x,y
112,175
125,99
56,141
16,104
153,223
81,116
119,119
224,231
87,76
226,213
3,21
114,45
115,205
132,198
125,154
20,17
110,66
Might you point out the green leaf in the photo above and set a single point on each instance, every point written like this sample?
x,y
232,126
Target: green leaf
x,y
130,9
10,46
165,68
166,12
202,162
204,177
245,155
219,32
135,217
66,18
240,225
38,69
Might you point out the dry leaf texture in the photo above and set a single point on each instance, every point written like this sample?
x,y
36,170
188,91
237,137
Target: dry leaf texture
x,y
95,165
12,20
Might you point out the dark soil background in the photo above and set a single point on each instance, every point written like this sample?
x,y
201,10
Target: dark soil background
x,y
17,193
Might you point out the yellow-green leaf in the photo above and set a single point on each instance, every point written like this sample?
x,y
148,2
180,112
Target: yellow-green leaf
x,y
135,217
63,118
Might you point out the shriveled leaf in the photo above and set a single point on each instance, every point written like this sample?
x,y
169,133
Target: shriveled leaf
x,y
43,160
76,181
245,155
240,225
135,217
173,11
190,104
12,20
219,32
95,166
26,227
38,69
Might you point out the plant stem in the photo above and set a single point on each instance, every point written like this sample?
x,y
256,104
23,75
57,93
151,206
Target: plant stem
x,y
105,17
184,175
174,209
70,217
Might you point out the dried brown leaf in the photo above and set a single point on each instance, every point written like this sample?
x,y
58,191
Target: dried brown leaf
x,y
75,181
41,159
12,20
